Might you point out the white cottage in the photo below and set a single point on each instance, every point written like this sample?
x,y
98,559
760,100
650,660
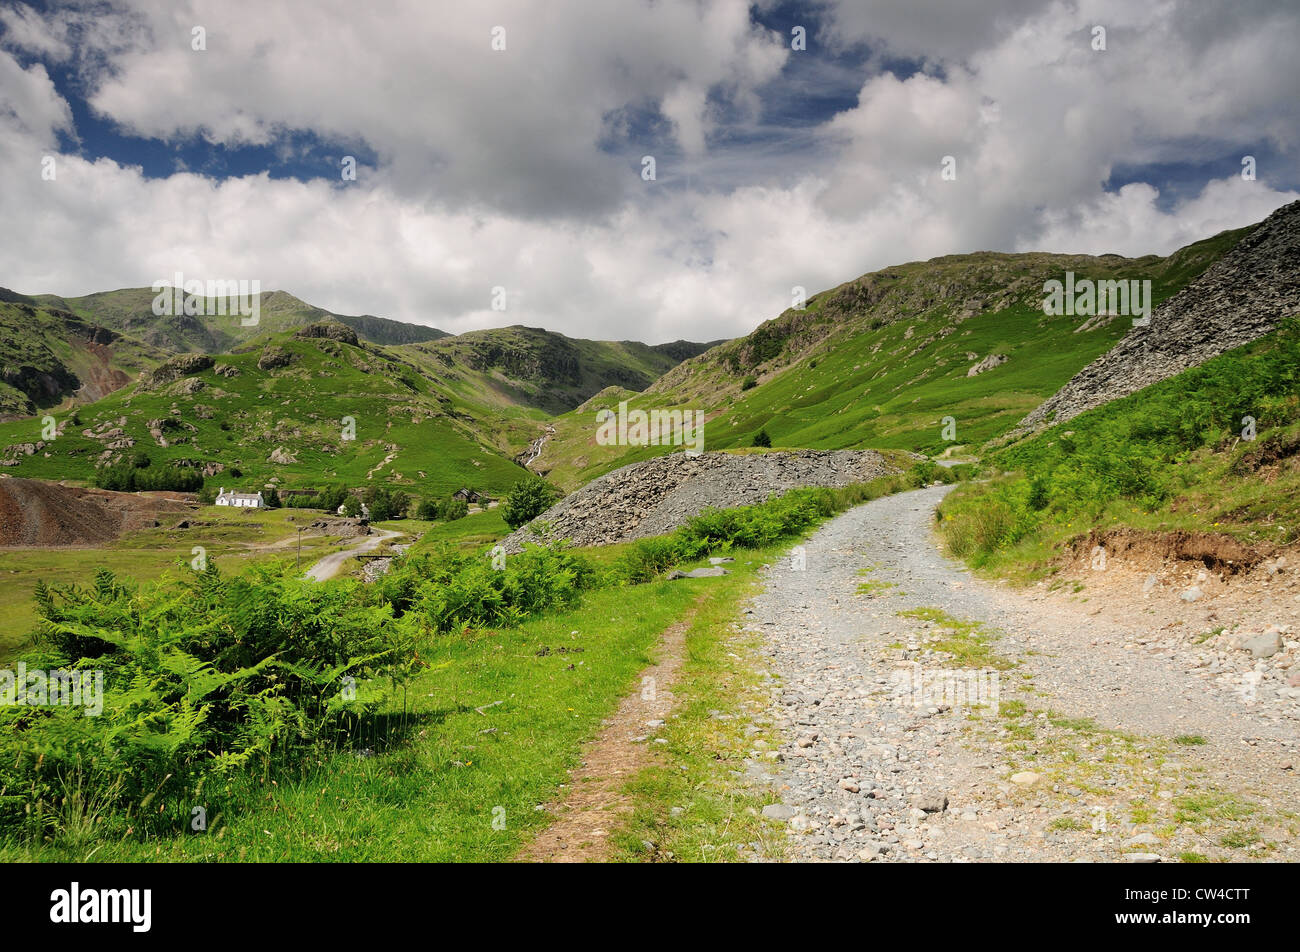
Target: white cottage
x,y
240,500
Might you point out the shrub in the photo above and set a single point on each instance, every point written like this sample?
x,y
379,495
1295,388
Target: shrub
x,y
749,383
762,439
127,477
387,504
455,508
527,500
202,679
429,510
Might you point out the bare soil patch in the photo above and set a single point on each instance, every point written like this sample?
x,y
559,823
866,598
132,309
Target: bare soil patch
x,y
38,513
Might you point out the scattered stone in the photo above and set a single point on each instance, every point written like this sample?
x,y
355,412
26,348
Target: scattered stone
x,y
933,804
1145,839
713,572
1265,645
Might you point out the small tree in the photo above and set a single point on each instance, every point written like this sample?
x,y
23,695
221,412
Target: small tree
x,y
762,439
527,500
455,508
429,509
749,383
352,507
386,504
272,498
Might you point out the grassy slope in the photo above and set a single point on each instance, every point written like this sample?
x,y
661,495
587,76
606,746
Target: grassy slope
x,y
59,346
130,310
1166,458
534,368
890,353
434,798
240,420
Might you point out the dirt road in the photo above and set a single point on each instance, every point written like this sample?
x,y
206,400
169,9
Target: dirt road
x,y
329,566
1093,748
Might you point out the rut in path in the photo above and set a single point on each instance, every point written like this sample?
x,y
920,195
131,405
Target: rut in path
x,y
594,802
866,770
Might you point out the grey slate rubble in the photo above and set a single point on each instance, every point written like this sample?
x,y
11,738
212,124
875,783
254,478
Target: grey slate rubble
x,y
660,494
1242,296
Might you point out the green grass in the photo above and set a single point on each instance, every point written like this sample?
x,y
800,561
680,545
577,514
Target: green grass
x,y
473,531
969,643
434,798
688,806
408,431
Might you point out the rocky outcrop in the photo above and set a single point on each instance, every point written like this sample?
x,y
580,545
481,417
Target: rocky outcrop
x,y
1240,297
658,495
988,363
274,356
331,330
169,372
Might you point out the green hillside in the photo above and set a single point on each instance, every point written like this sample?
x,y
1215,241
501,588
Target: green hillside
x,y
130,311
540,369
281,396
1174,456
881,361
47,356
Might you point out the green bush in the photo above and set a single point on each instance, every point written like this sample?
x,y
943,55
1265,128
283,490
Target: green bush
x,y
527,500
761,439
387,503
749,383
127,476
455,508
202,679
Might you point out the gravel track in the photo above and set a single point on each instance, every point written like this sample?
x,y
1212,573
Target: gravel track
x,y
866,774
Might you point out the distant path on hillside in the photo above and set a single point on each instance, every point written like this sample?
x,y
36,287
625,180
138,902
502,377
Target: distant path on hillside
x,y
1078,762
329,566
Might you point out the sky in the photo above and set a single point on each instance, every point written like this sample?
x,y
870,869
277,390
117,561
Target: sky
x,y
503,145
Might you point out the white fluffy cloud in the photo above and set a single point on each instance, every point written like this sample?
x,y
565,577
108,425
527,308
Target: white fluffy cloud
x,y
521,168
